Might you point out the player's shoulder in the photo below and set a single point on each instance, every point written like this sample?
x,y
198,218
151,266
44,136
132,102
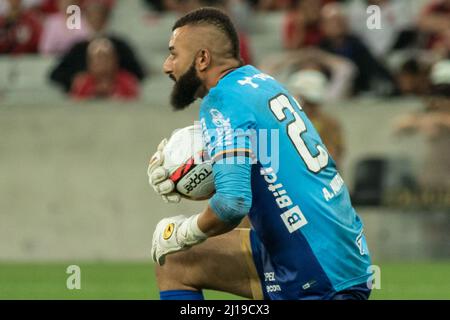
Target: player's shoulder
x,y
242,79
235,87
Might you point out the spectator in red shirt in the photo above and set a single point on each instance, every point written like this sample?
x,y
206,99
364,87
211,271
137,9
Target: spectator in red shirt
x,y
442,47
97,13
20,30
435,21
104,78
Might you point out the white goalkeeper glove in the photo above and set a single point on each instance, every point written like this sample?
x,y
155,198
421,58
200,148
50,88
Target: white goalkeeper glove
x,y
175,234
158,176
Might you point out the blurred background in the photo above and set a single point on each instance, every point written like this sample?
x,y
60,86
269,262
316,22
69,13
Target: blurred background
x,y
82,110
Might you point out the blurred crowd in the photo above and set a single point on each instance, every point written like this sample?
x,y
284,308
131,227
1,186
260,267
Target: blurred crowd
x,y
92,62
330,50
332,37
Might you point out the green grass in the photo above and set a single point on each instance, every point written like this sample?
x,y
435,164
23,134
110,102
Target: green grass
x,y
425,280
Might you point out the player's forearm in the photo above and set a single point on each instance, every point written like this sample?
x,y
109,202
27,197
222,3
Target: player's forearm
x,y
232,200
211,225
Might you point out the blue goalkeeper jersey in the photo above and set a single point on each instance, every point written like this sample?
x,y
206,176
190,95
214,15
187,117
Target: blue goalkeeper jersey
x,y
308,236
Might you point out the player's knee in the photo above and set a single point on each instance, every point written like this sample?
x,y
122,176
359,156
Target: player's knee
x,y
177,272
170,268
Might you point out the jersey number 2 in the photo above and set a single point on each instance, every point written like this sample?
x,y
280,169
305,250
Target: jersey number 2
x,y
295,129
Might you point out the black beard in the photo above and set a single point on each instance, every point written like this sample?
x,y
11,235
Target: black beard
x,y
184,90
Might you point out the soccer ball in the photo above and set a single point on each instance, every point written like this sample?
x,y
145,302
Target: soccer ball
x,y
186,160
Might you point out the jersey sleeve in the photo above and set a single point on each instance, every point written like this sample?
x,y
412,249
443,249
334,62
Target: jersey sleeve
x,y
228,131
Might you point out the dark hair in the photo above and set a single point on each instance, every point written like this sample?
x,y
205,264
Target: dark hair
x,y
440,90
411,66
213,17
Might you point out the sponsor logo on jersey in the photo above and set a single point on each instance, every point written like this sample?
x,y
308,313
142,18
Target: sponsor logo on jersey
x,y
293,217
249,80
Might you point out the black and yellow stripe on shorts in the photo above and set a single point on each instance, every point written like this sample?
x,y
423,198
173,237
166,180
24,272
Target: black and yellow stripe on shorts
x,y
255,282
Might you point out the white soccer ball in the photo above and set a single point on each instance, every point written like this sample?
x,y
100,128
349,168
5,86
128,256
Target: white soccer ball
x,y
186,160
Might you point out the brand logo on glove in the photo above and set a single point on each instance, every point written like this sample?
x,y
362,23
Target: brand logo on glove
x,y
168,231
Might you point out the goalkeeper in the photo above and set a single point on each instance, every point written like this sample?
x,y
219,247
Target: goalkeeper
x,y
306,240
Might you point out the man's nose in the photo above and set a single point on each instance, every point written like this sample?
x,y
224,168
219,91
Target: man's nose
x,y
167,67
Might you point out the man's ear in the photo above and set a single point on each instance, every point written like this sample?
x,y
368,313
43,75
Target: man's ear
x,y
203,59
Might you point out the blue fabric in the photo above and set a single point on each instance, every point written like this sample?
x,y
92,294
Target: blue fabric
x,y
181,295
321,290
233,198
229,146
289,274
310,238
357,292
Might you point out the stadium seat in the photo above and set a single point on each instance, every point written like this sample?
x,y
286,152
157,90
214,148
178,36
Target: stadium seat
x,y
375,177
